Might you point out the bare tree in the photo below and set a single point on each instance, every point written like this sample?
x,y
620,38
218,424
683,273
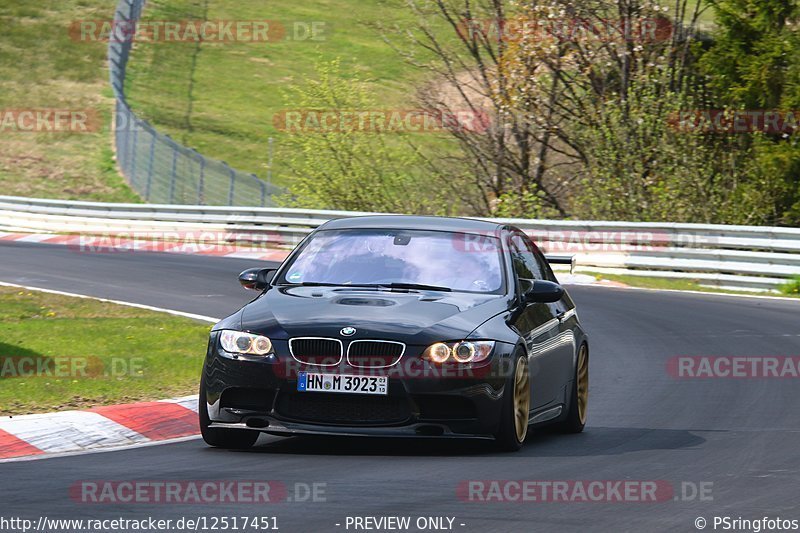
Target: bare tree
x,y
544,73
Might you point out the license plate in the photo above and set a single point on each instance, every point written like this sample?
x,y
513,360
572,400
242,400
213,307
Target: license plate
x,y
308,382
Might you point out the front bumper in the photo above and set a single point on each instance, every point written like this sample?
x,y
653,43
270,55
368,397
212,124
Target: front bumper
x,y
423,401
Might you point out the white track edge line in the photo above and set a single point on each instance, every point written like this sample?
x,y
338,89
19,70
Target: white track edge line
x,y
702,293
193,316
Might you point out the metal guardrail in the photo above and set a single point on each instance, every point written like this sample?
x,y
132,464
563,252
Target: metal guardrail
x,y
157,167
741,257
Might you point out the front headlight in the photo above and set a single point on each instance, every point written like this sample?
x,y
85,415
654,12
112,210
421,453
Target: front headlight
x,y
245,343
459,352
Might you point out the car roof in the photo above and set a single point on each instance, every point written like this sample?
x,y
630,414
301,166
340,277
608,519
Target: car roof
x,y
459,225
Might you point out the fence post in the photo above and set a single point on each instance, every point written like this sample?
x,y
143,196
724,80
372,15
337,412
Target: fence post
x,y
201,183
150,166
173,175
135,151
120,144
263,189
129,152
233,184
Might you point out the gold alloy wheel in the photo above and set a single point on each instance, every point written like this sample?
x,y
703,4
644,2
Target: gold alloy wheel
x,y
583,383
522,399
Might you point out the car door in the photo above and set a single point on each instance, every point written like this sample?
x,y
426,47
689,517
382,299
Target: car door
x,y
537,324
564,310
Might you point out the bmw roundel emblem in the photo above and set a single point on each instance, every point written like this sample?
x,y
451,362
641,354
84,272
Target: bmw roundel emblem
x,y
348,331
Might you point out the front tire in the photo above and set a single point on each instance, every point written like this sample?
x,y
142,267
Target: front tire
x,y
231,439
516,408
579,400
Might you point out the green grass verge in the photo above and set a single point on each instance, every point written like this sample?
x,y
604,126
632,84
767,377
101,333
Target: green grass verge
x,y
673,284
97,353
792,288
42,67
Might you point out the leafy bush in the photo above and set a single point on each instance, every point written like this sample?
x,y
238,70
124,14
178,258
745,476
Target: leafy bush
x,y
349,169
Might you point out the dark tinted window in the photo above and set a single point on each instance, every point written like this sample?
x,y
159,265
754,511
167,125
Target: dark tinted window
x,y
524,258
544,266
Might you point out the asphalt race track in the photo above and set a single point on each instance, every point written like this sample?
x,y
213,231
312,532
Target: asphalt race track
x,y
737,439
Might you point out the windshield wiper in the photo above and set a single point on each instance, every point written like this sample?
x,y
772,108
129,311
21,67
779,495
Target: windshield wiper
x,y
406,286
323,284
414,286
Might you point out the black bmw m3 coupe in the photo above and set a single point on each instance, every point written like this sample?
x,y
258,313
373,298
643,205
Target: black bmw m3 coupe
x,y
400,326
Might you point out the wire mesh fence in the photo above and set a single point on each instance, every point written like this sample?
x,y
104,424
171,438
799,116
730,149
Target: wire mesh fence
x,y
157,167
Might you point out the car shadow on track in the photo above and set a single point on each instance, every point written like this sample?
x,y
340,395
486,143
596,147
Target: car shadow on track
x,y
595,441
598,441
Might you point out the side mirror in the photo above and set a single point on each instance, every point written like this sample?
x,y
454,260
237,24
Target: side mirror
x,y
257,279
541,291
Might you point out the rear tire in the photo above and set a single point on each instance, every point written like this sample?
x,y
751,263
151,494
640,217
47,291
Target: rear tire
x,y
515,409
231,439
578,404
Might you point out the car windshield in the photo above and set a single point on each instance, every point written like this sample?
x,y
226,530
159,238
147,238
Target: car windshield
x,y
401,258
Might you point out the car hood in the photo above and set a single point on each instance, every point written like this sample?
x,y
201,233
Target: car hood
x,y
411,317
